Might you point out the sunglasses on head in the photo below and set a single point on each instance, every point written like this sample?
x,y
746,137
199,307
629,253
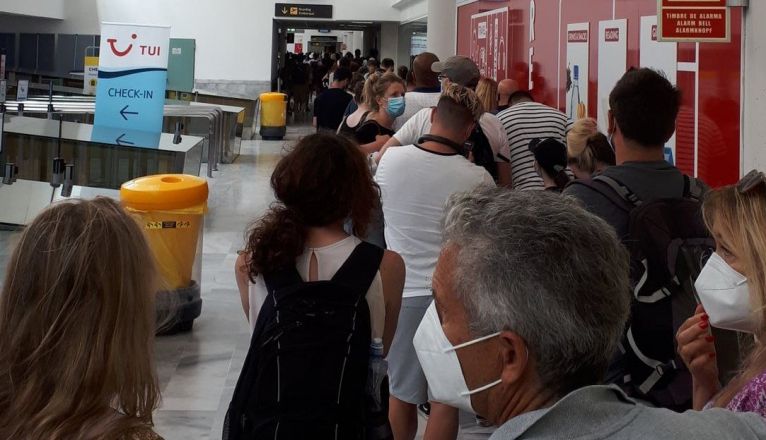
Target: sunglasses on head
x,y
751,181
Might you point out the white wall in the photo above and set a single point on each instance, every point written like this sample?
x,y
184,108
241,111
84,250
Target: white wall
x,y
34,8
234,37
754,155
414,10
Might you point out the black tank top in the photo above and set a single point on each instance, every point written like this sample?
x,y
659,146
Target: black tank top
x,y
366,131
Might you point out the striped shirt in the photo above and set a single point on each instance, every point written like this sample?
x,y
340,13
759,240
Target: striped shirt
x,y
523,122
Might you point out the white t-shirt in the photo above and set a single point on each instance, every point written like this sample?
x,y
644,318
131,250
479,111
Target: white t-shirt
x,y
415,185
415,102
329,261
420,125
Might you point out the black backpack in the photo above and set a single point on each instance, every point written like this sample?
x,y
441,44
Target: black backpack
x,y
668,243
305,374
483,155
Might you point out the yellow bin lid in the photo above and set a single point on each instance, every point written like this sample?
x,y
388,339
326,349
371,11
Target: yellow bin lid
x,y
273,97
163,192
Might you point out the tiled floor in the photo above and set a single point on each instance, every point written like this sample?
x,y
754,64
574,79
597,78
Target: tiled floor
x,y
198,370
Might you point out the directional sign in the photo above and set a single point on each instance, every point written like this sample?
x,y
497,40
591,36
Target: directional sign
x,y
296,10
125,137
132,76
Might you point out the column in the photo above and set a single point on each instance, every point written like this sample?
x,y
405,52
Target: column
x,y
442,27
389,44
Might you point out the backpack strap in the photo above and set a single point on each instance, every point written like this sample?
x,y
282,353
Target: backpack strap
x,y
360,268
282,278
620,189
606,190
693,189
659,368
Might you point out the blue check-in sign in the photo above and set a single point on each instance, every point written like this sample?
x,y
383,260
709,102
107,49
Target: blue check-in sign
x,y
132,77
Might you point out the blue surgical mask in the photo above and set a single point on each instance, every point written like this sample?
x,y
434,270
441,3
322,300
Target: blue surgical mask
x,y
395,107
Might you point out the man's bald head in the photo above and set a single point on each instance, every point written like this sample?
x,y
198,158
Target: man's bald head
x,y
505,89
421,69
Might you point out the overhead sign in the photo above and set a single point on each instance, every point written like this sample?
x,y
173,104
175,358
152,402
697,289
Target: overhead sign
x,y
132,76
90,78
294,10
694,21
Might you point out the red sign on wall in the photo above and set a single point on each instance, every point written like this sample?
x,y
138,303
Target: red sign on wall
x,y
490,41
694,20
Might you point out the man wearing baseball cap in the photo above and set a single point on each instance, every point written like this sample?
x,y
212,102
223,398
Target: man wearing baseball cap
x,y
462,71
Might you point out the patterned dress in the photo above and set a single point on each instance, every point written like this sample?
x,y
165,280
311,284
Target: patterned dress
x,y
752,397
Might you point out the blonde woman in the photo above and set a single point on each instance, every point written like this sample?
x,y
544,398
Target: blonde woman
x,y
486,90
384,94
77,328
732,289
588,149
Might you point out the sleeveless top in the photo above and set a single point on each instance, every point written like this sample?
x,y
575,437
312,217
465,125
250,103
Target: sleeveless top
x,y
349,131
329,260
366,131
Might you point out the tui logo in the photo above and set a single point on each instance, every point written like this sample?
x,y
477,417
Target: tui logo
x,y
120,53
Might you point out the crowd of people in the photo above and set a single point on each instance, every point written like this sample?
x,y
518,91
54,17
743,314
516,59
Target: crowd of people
x,y
442,244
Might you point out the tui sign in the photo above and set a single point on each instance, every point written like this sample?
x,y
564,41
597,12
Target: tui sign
x,y
293,10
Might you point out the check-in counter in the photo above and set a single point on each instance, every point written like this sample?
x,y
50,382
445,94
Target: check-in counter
x,y
231,124
220,125
102,161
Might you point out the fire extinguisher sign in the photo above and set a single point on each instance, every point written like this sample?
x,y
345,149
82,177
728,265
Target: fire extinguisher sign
x,y
132,76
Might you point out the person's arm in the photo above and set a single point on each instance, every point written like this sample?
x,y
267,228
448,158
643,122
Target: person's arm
x,y
243,282
392,142
392,273
374,147
504,177
498,140
314,122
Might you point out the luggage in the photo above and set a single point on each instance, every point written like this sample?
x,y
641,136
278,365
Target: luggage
x,y
306,372
668,244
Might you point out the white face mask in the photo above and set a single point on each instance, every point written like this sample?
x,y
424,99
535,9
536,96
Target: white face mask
x,y
725,296
440,363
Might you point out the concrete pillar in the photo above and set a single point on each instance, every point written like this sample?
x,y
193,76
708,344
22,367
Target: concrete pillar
x,y
442,28
754,141
389,40
403,51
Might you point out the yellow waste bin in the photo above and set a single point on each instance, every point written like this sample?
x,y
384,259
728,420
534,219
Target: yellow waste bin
x,y
170,209
273,115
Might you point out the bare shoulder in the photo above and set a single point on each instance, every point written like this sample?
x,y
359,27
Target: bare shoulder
x,y
392,265
243,260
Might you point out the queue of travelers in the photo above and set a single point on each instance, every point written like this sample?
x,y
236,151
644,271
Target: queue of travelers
x,y
459,251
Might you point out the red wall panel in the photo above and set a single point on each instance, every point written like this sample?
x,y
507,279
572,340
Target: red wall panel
x,y
718,125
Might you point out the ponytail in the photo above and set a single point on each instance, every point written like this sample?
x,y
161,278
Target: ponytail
x,y
562,179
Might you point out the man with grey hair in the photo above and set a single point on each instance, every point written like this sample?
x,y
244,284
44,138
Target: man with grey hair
x,y
530,299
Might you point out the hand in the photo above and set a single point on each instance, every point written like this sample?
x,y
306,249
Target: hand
x,y
696,347
382,139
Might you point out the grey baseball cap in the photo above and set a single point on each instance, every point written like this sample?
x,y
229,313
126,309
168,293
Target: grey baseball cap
x,y
460,70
